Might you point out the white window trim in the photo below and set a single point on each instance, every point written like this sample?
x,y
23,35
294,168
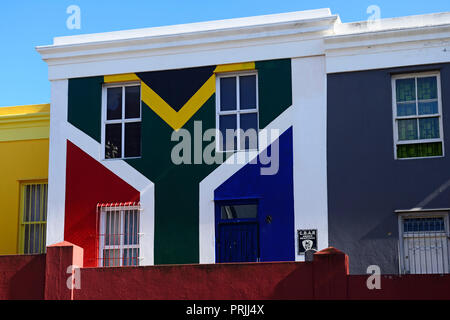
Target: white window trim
x,y
121,245
121,121
238,110
417,116
417,215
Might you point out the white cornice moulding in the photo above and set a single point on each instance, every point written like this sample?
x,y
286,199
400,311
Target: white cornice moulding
x,y
150,48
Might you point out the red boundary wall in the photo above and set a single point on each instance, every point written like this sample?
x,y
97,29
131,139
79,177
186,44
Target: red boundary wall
x,y
59,275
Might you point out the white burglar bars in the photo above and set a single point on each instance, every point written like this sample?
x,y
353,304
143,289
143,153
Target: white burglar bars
x,y
424,245
119,235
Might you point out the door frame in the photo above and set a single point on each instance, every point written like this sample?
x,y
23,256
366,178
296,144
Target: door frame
x,y
219,221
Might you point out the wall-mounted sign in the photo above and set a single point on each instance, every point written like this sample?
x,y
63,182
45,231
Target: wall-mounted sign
x,y
307,240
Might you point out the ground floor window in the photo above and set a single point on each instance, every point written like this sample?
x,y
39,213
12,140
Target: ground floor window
x,y
424,243
33,217
119,243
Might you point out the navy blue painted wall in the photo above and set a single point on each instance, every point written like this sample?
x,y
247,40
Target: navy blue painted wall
x,y
365,184
275,197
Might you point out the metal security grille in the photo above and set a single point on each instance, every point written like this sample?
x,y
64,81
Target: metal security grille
x,y
425,245
119,234
33,218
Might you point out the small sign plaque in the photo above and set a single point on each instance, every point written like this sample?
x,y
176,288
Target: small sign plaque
x,y
307,240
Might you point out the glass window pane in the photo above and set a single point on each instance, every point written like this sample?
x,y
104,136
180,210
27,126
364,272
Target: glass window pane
x,y
405,89
112,228
132,102
242,211
427,88
227,127
228,94
130,256
429,128
114,103
423,224
133,139
131,227
406,109
249,134
407,129
113,141
247,92
111,257
428,107
419,150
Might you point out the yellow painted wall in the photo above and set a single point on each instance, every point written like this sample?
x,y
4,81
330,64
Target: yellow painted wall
x,y
24,148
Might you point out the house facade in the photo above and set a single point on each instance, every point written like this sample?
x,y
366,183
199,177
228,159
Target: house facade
x,y
231,141
24,143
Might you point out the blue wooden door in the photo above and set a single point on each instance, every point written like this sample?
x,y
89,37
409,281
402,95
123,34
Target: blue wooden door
x,y
238,242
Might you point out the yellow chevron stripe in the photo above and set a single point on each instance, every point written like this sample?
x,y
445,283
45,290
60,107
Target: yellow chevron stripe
x,y
233,67
121,78
173,118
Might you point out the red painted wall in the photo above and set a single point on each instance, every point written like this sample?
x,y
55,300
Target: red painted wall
x,y
88,182
25,277
22,277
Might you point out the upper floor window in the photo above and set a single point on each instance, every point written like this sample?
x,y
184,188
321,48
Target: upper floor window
x,y
121,129
237,111
417,115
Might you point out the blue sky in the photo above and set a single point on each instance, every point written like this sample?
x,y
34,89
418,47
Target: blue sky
x,y
27,24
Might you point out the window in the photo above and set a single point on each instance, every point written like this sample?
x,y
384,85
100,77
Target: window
x,y
417,116
33,207
424,247
121,130
119,235
237,111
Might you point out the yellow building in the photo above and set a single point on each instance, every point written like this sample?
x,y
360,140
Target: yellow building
x,y
24,143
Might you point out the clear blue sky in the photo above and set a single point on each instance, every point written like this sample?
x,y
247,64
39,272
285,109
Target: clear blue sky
x,y
27,24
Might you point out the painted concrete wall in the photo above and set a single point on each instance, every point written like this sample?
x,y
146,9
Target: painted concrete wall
x,y
365,184
24,158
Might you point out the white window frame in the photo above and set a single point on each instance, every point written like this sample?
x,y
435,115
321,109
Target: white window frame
x,y
119,121
395,118
121,246
238,110
438,213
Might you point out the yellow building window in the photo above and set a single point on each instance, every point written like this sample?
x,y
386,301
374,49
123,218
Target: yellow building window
x,y
33,217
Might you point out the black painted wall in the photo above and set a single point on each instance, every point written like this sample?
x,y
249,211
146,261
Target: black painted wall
x,y
365,184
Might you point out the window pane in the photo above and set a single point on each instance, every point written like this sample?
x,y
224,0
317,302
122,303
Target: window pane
x,y
406,89
247,92
428,107
131,227
419,150
133,139
111,258
227,123
243,211
427,88
130,257
132,102
406,109
423,224
429,128
407,129
112,228
113,141
114,103
228,94
249,126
